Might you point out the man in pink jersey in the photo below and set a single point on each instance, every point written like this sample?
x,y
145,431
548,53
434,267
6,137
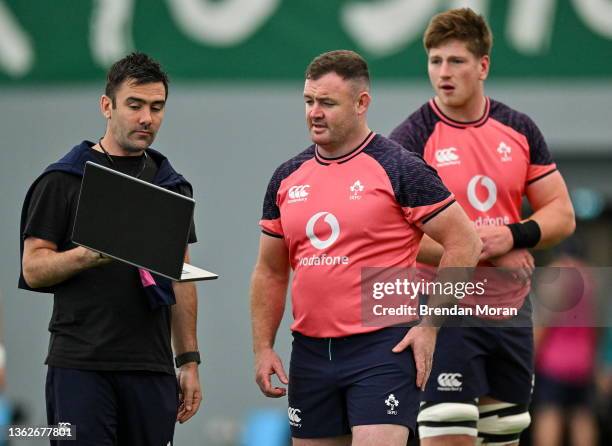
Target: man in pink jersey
x,y
353,199
489,156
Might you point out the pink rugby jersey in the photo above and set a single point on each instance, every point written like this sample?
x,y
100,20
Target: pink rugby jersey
x,y
487,164
340,215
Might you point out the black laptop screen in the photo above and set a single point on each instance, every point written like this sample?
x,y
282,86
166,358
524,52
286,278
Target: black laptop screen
x,y
132,220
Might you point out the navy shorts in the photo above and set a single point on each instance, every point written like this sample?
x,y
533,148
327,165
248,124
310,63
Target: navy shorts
x,y
113,408
338,383
491,359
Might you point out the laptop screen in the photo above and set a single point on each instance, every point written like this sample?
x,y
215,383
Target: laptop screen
x,y
132,220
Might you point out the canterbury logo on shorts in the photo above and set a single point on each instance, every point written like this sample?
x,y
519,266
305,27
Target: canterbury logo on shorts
x,y
294,417
450,382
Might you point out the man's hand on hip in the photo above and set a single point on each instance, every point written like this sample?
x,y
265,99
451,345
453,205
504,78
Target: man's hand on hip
x,y
190,393
268,363
496,241
518,262
423,342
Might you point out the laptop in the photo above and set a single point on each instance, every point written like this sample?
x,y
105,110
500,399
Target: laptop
x,y
136,222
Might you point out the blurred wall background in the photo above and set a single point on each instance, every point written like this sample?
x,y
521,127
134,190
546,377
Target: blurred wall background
x,y
235,112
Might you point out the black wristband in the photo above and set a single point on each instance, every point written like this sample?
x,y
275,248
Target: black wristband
x,y
186,357
525,235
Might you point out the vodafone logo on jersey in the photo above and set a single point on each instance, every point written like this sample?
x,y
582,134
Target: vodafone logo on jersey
x,y
477,182
298,193
447,157
323,259
332,221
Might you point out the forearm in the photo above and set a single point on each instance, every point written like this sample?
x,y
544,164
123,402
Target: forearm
x,y
456,265
268,293
430,251
46,267
556,222
184,318
433,253
462,253
553,210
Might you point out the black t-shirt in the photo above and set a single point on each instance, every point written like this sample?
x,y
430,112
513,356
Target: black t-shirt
x,y
101,317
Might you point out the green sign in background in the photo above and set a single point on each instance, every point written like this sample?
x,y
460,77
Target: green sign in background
x,y
58,35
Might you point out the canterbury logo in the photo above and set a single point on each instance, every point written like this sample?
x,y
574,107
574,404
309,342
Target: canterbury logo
x,y
450,380
332,221
447,156
297,192
293,415
489,185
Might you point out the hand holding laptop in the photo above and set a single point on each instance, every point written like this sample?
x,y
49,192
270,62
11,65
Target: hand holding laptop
x,y
153,223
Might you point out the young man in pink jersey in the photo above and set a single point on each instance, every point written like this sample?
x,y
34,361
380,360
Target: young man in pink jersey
x,y
351,200
489,156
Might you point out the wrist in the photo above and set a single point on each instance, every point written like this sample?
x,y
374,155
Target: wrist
x,y
187,358
189,366
525,235
260,348
509,237
428,322
86,257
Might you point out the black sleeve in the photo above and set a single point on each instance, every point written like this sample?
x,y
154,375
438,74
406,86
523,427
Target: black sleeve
x,y
414,132
404,136
49,209
538,149
270,210
183,189
421,192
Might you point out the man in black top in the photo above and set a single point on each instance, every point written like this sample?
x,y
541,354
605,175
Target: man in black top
x,y
110,369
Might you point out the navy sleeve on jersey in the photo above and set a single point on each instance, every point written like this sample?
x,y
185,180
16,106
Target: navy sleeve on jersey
x,y
404,136
414,132
538,149
417,187
270,219
421,192
541,162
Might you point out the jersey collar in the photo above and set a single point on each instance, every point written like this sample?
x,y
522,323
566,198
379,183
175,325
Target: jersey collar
x,y
344,158
461,124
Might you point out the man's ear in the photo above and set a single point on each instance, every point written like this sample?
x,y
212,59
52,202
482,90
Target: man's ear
x,y
485,64
363,102
106,104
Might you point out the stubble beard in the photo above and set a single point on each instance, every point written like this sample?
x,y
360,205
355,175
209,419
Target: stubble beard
x,y
132,148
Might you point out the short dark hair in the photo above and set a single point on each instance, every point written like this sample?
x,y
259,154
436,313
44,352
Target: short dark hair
x,y
137,68
345,63
461,24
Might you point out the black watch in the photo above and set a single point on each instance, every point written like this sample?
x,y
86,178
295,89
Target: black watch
x,y
184,358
